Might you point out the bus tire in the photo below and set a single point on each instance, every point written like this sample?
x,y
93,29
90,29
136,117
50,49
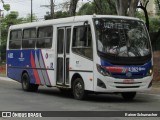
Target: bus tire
x,y
78,89
128,96
26,86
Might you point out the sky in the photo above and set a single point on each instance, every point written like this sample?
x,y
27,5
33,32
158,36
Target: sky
x,y
24,6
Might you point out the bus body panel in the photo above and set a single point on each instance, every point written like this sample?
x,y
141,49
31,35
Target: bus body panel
x,y
31,61
48,63
41,64
84,67
119,82
112,87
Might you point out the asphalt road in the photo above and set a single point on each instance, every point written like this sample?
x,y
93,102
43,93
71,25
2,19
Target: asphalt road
x,y
13,98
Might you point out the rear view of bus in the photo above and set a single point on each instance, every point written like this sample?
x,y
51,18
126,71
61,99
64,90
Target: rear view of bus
x,y
124,62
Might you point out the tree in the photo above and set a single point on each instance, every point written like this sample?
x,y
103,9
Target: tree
x,y
154,24
61,14
28,18
87,9
98,7
132,7
158,3
58,14
104,7
12,19
6,7
143,6
72,8
126,7
121,7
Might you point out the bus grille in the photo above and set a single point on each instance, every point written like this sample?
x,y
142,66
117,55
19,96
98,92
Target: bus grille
x,y
123,76
127,86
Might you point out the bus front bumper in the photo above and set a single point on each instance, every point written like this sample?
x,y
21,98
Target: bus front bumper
x,y
109,84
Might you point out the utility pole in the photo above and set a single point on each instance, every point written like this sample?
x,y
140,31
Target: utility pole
x,y
31,11
52,9
51,6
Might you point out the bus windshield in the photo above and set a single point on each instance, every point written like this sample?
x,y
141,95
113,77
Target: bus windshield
x,y
124,38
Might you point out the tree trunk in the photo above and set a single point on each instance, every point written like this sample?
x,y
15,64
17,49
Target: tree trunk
x,y
72,8
98,6
144,8
133,7
121,7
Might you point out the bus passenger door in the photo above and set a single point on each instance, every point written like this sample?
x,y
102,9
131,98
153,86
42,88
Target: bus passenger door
x,y
63,55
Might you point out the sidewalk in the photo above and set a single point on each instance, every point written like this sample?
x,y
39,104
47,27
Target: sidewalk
x,y
155,88
5,78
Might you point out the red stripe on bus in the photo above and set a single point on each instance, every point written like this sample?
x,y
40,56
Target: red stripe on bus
x,y
115,69
34,70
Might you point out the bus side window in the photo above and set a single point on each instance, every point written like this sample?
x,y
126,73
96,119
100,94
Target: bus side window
x,y
68,40
82,41
29,38
45,35
15,39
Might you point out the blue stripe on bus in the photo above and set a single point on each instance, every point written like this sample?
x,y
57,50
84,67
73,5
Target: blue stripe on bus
x,y
21,59
138,71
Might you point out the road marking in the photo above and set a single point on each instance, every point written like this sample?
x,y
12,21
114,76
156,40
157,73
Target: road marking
x,y
7,79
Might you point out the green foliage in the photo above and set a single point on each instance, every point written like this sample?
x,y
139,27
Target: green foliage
x,y
48,17
157,7
6,7
105,7
13,14
140,15
87,9
28,18
7,21
60,14
154,24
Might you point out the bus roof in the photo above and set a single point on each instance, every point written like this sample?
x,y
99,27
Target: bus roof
x,y
67,20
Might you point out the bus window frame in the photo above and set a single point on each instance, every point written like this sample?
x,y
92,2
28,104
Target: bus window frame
x,y
35,39
44,37
72,46
10,33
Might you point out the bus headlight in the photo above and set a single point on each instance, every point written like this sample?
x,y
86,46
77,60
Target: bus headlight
x,y
150,72
102,70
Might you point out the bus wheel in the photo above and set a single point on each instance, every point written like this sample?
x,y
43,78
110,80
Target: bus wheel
x,y
26,86
78,89
128,95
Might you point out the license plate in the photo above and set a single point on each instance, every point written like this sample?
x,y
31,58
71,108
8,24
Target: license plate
x,y
128,81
